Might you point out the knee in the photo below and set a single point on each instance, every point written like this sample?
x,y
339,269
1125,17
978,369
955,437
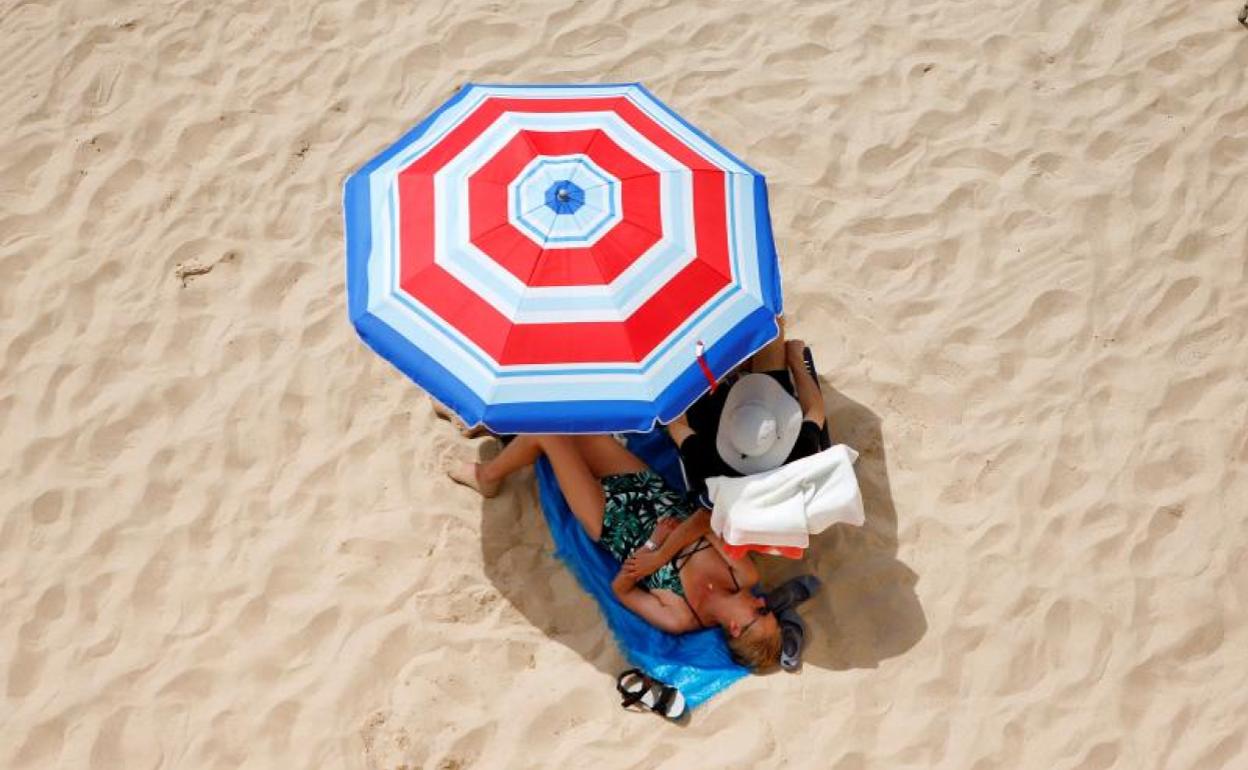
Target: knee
x,y
548,440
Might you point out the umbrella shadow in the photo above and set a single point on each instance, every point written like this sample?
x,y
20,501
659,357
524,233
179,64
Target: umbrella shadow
x,y
868,610
519,559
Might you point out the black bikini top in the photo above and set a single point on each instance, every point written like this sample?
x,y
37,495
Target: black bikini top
x,y
681,559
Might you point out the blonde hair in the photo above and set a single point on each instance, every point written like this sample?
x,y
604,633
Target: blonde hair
x,y
755,648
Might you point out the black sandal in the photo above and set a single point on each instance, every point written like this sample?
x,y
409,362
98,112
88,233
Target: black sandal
x,y
662,699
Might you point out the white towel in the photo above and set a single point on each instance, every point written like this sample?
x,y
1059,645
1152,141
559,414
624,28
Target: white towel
x,y
785,506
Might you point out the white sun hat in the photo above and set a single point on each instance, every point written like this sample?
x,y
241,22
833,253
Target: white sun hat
x,y
759,425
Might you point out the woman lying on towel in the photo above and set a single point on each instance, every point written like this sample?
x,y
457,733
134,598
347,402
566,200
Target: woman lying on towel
x,y
673,571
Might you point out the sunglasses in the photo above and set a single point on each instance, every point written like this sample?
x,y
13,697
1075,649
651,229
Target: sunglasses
x,y
758,614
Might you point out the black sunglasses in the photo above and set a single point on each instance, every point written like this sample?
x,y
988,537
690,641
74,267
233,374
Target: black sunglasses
x,y
758,613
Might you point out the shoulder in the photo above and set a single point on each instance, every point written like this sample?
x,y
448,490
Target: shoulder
x,y
676,615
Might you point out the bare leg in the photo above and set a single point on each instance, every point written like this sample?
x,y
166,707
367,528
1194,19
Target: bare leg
x,y
606,457
522,452
771,357
576,479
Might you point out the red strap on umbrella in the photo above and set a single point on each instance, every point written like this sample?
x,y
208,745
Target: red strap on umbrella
x,y
706,369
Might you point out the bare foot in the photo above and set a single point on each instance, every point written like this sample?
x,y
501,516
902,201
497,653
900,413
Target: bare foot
x,y
469,474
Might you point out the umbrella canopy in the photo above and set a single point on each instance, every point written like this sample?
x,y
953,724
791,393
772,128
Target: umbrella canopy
x,y
554,258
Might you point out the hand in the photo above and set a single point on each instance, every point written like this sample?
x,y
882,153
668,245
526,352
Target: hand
x,y
642,564
666,526
682,421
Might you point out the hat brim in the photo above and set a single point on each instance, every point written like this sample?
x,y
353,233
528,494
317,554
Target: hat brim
x,y
763,389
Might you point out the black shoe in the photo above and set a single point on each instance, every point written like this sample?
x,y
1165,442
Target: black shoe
x,y
792,593
792,639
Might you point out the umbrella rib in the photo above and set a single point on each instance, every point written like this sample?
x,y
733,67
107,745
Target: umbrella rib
x,y
493,229
660,172
587,205
537,154
576,170
593,257
527,281
545,239
622,179
584,151
646,229
535,208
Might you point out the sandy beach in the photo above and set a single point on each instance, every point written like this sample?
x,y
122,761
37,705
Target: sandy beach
x,y
1015,234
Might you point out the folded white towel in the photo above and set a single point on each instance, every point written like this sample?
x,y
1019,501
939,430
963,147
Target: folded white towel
x,y
785,506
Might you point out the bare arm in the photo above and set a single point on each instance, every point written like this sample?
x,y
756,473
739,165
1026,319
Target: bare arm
x,y
647,605
689,530
679,430
808,393
645,562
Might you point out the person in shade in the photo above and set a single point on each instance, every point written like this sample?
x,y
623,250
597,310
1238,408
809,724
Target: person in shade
x,y
770,415
673,570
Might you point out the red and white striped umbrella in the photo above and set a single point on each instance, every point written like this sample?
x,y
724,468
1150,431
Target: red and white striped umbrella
x,y
561,258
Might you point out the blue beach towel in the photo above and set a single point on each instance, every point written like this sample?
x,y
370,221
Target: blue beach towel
x,y
698,663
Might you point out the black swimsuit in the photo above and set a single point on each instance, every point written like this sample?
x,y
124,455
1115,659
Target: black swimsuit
x,y
678,563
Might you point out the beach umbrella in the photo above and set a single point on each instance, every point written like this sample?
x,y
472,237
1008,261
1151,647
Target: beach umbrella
x,y
563,259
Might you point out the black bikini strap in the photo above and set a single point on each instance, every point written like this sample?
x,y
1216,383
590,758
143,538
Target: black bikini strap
x,y
681,559
696,616
678,564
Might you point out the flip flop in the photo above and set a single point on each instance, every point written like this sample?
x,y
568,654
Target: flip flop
x,y
793,592
792,639
662,699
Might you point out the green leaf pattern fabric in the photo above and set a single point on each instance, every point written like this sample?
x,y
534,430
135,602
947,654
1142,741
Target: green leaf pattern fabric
x,y
634,503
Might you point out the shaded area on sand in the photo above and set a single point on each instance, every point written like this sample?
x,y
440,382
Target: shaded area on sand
x,y
868,610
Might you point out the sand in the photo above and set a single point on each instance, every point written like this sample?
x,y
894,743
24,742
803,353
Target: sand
x,y
1015,233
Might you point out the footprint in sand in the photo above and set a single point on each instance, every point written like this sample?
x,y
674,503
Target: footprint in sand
x,y
191,269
